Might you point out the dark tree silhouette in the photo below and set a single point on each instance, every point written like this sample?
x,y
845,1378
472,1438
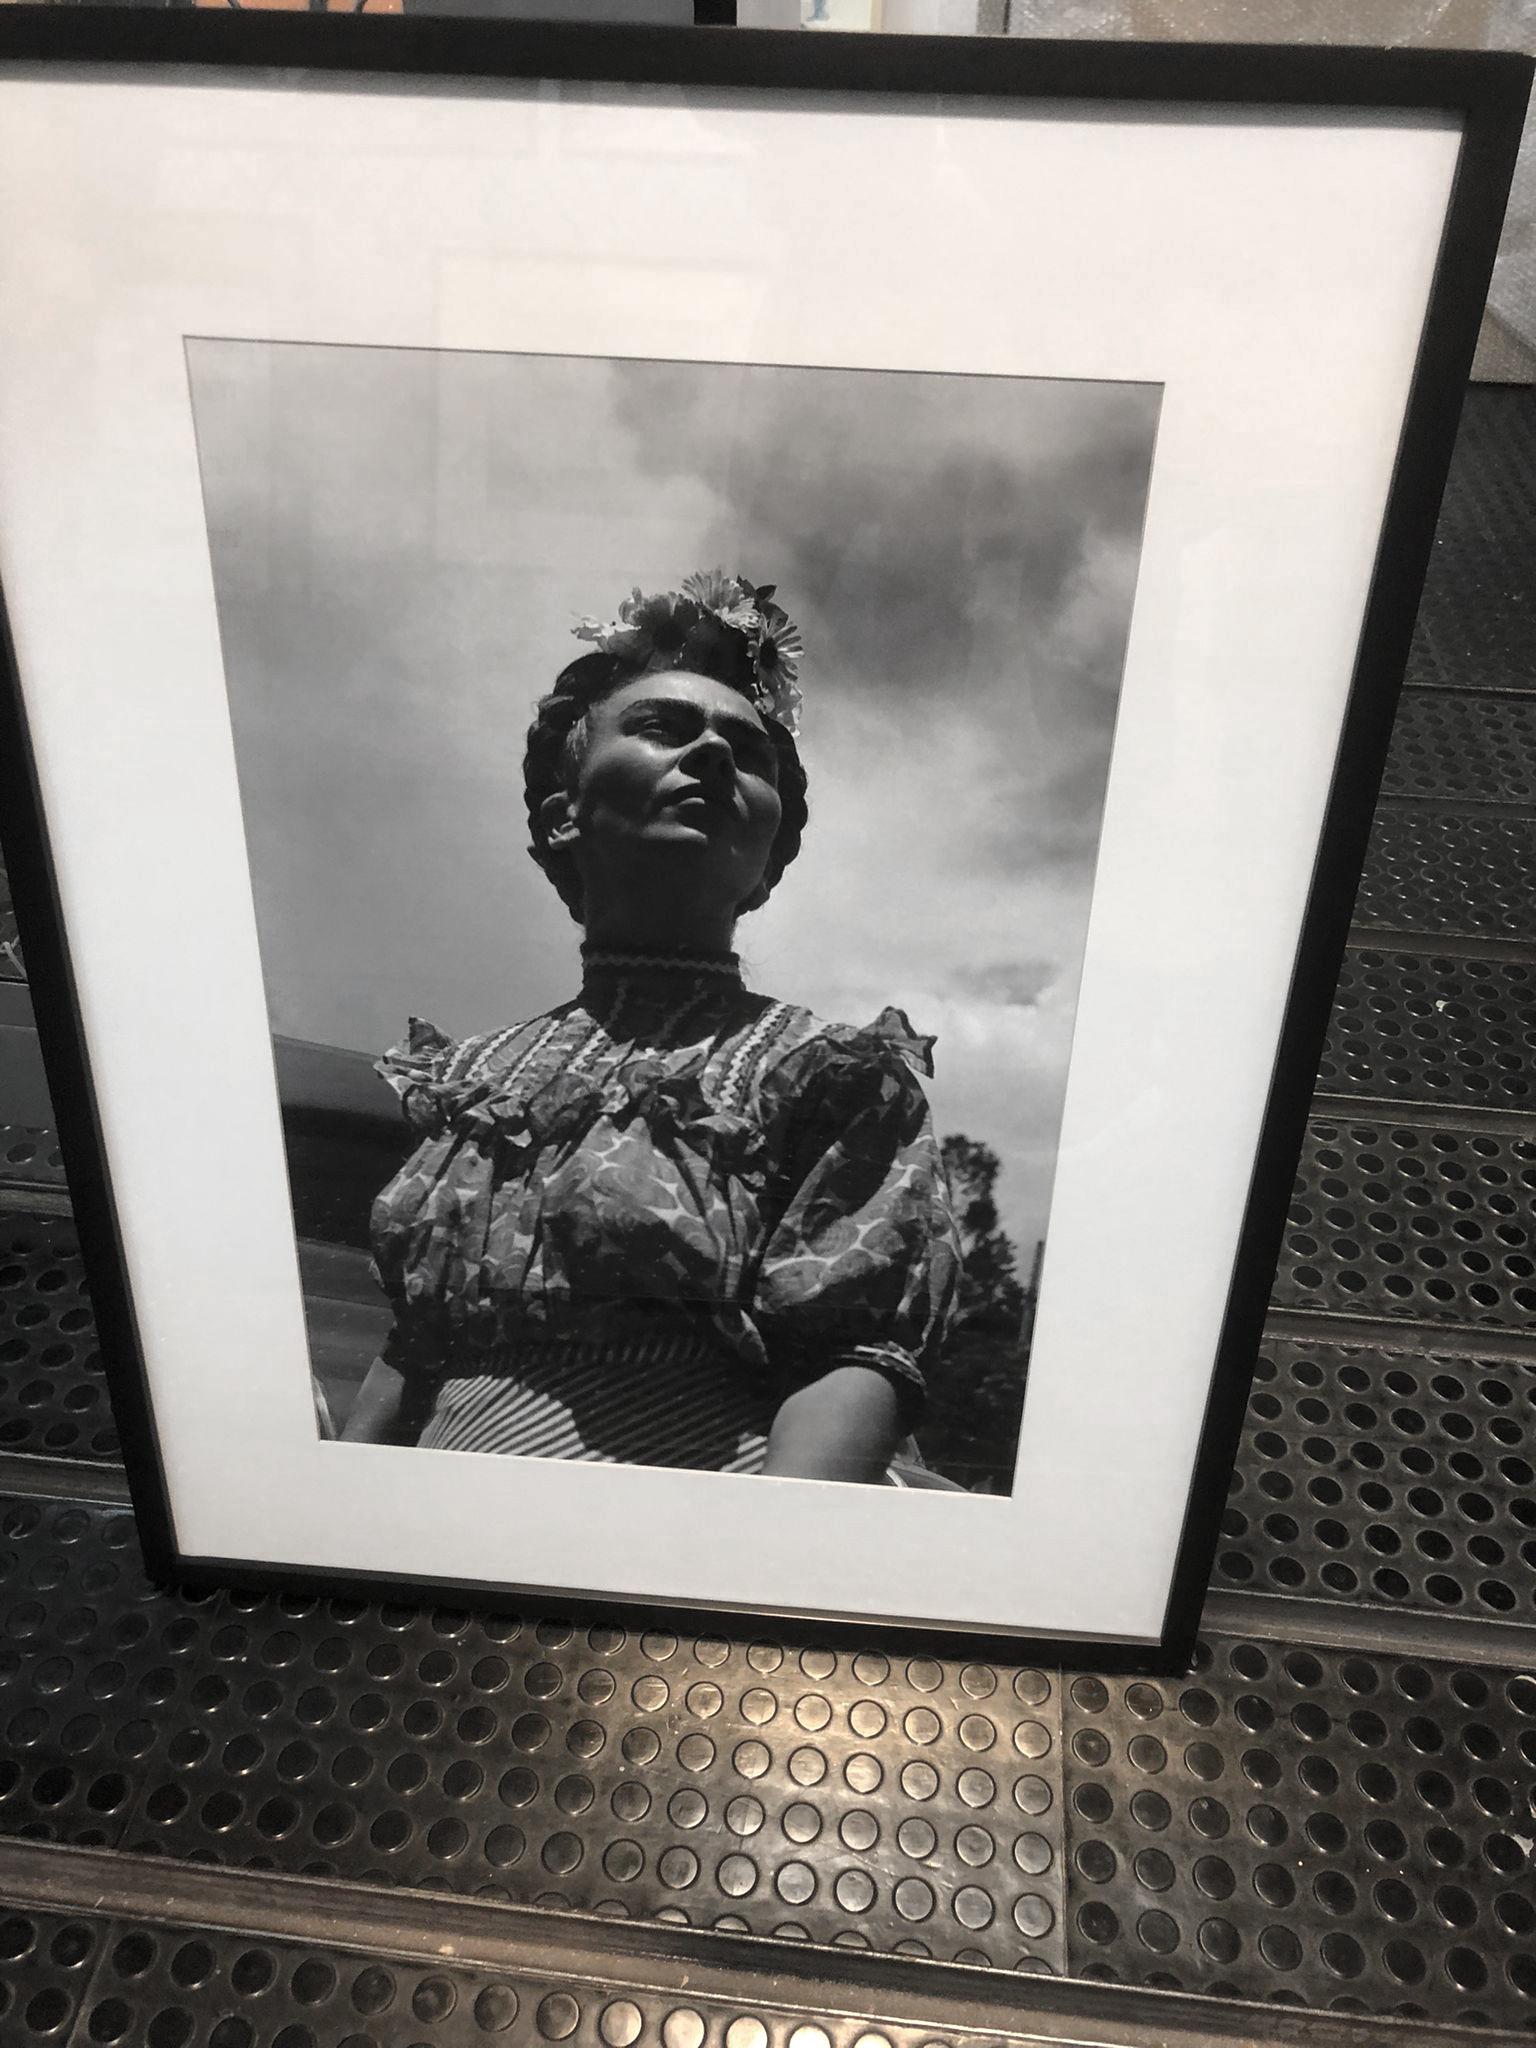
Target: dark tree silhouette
x,y
990,1295
971,1429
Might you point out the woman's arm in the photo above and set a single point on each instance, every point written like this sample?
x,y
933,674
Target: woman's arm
x,y
846,1425
377,1407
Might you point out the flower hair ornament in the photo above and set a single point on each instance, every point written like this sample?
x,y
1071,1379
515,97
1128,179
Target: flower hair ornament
x,y
712,614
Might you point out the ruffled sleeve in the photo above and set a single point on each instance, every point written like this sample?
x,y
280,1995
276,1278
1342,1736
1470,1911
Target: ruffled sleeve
x,y
418,1073
862,1259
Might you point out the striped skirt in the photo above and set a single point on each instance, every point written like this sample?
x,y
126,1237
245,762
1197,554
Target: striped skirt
x,y
675,1398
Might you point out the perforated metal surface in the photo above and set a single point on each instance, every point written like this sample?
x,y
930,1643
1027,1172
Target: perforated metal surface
x,y
47,1961
816,1794
1399,1219
1477,621
1308,1827
1386,1480
1437,871
1430,1029
29,1158
167,1988
53,1399
1478,749
180,1979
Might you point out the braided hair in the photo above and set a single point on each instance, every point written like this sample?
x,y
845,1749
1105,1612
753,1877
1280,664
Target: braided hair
x,y
557,741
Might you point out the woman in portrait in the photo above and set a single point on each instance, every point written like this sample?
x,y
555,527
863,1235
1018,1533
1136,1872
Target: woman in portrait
x,y
671,1222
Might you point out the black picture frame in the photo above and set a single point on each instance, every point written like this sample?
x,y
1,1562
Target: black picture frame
x,y
1486,92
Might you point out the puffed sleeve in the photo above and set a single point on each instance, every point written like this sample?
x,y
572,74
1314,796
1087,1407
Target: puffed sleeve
x,y
862,1258
417,1071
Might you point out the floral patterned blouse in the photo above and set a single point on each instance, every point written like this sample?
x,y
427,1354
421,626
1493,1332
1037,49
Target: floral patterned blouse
x,y
635,1224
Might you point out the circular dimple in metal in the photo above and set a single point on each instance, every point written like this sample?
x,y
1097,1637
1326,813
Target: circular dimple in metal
x,y
1033,1854
558,2016
974,1846
913,1898
800,1822
858,1830
677,1868
863,1773
977,1788
1032,1794
623,1860
917,1837
562,1853
683,2028
1034,1916
854,1891
621,2023
736,1876
744,1816
977,1732
496,2007
919,1780
973,1907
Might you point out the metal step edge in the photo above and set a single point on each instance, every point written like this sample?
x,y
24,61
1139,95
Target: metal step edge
x,y
847,1992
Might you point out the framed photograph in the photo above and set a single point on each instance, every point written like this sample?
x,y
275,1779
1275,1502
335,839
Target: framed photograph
x,y
918,543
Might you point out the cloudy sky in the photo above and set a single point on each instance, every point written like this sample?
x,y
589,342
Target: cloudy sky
x,y
402,540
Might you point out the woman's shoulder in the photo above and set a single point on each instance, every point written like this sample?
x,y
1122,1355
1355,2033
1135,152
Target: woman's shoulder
x,y
889,1044
429,1070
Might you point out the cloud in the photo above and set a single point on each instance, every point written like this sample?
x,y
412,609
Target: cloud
x,y
1013,984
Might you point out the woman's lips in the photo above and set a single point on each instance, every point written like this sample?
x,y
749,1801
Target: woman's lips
x,y
697,796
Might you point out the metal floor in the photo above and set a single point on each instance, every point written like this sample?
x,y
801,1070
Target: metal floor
x,y
234,1822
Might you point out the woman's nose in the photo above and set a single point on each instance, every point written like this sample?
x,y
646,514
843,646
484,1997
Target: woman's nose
x,y
710,754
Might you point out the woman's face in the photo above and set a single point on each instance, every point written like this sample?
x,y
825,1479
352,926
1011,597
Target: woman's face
x,y
680,765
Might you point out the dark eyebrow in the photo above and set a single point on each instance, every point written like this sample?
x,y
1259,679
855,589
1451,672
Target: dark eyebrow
x,y
727,722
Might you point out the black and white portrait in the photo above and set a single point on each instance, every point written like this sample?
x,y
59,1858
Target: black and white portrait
x,y
690,749
672,793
